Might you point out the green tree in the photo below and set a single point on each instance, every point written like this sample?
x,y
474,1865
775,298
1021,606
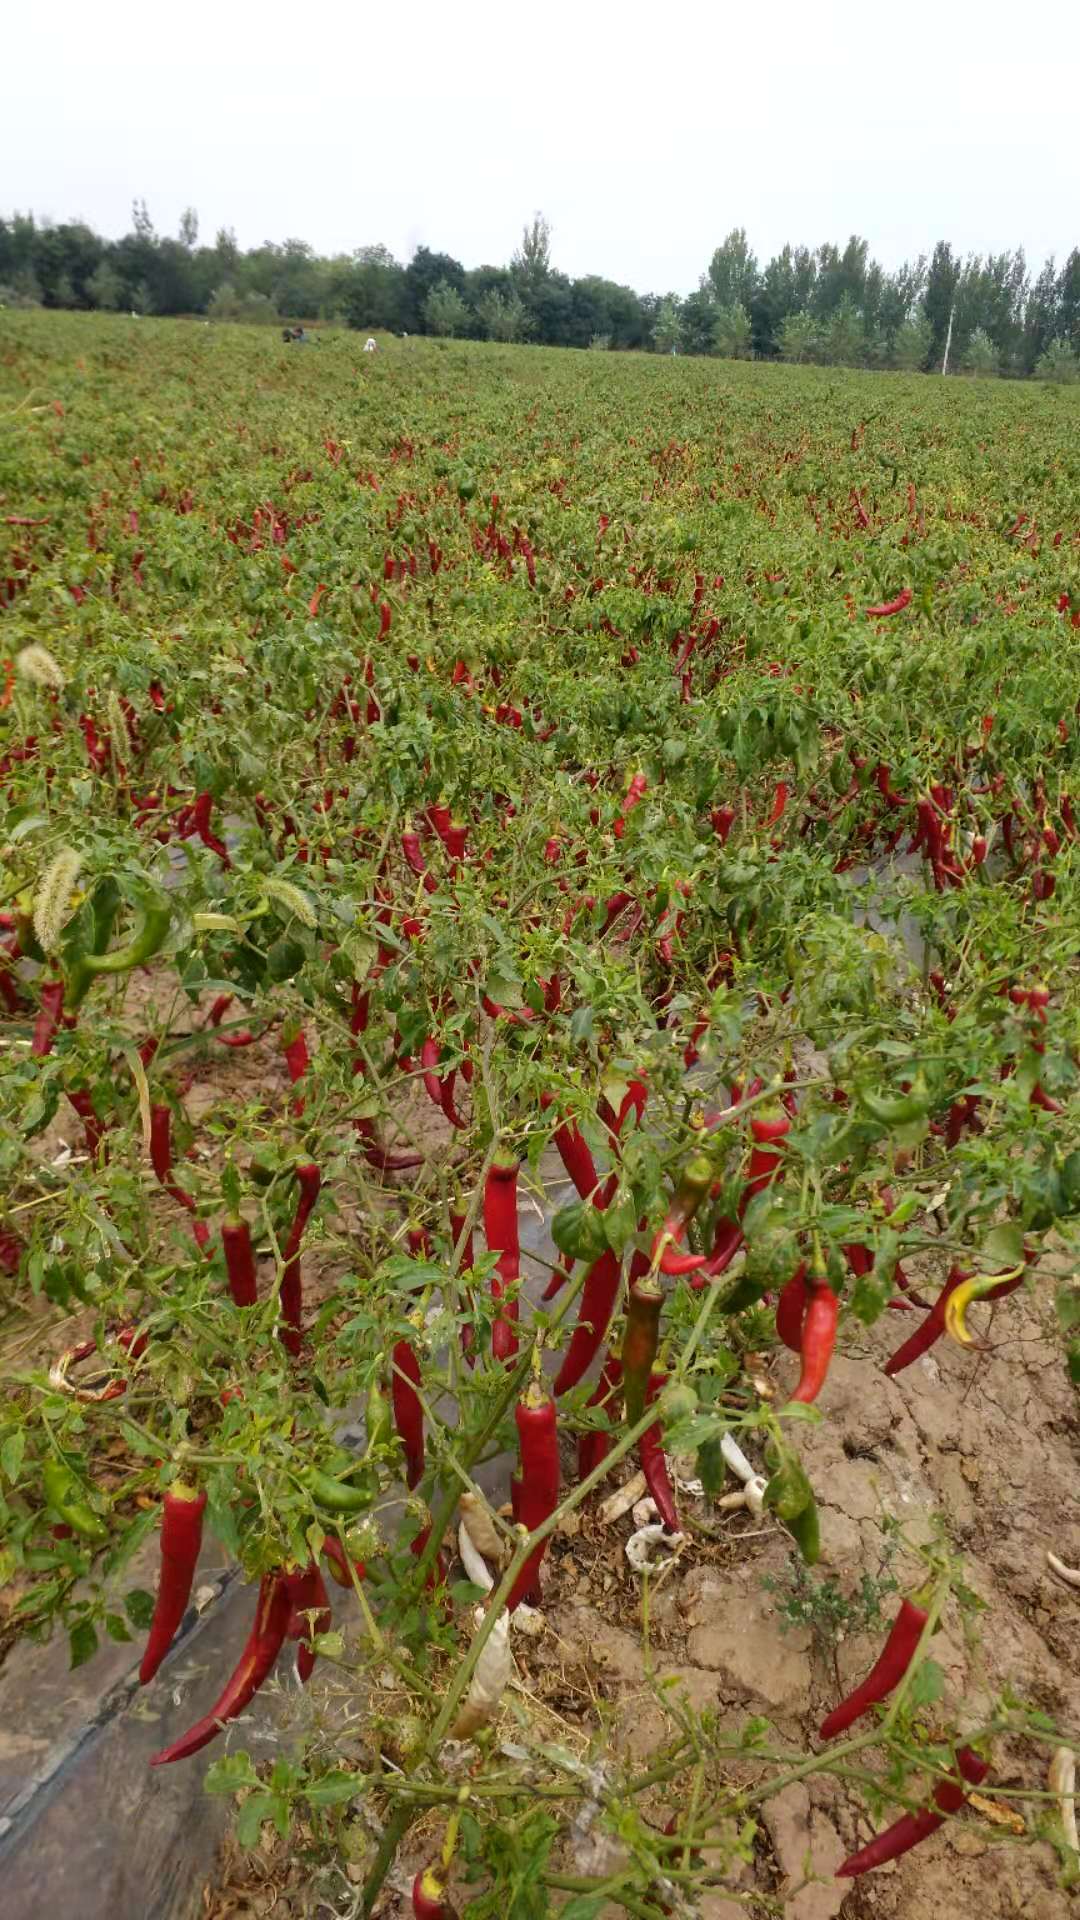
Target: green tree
x,y
105,287
445,312
914,339
373,294
422,275
732,272
188,232
942,282
980,355
502,316
731,332
698,315
843,337
667,327
797,338
1058,363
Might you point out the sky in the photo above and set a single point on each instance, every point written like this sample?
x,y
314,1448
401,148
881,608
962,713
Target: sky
x,y
644,133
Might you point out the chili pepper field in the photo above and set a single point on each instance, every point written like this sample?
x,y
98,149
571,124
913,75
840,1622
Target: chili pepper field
x,y
539,908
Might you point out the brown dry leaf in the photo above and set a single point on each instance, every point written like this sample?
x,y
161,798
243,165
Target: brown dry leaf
x,y
998,1815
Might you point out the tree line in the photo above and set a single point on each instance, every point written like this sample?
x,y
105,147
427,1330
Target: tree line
x,y
836,306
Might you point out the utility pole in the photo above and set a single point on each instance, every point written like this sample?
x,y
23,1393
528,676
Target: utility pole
x,y
948,340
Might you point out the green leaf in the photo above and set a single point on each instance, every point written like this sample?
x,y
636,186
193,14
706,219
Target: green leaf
x,y
583,1906
83,1643
257,1808
1003,1247
11,1456
578,1229
131,1540
231,1773
927,1685
332,1790
116,1627
139,1607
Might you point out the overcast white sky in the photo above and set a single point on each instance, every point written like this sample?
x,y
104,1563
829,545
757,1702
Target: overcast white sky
x,y
643,132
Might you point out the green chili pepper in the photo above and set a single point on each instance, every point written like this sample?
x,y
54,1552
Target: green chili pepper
x,y
337,1496
639,1345
377,1419
62,1493
913,1105
148,939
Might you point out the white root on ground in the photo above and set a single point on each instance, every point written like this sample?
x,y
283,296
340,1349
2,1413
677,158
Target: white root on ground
x,y
1071,1575
642,1544
490,1679
1062,1781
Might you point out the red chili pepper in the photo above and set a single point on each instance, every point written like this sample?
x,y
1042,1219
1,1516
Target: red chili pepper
x,y
888,1670
779,802
766,1130
818,1339
408,1413
886,607
334,1555
640,1343
263,1646
501,1232
558,1279
598,1297
201,812
791,1310
635,793
181,1538
93,1128
161,1155
932,1328
427,1897
291,1296
594,1446
47,1024
245,1037
653,1463
907,1832
538,1492
240,1262
429,1060
573,1151
307,1593
297,1058
723,819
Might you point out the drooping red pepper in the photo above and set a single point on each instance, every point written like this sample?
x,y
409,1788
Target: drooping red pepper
x,y
427,1897
538,1492
297,1062
240,1262
244,1038
93,1128
817,1339
598,1296
932,1328
766,1129
307,1593
594,1446
887,1672
501,1232
264,1643
201,812
723,819
635,793
791,1310
408,1413
47,1024
161,1155
181,1538
907,1832
573,1151
885,607
694,1184
653,1463
640,1342
291,1298
336,1560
